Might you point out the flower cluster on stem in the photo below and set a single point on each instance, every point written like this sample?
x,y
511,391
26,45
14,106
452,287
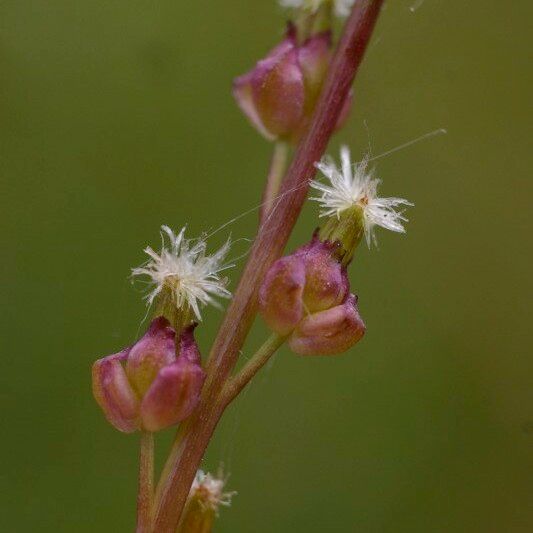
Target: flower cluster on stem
x,y
271,239
298,96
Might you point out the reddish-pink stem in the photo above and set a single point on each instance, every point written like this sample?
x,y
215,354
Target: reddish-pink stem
x,y
272,237
146,483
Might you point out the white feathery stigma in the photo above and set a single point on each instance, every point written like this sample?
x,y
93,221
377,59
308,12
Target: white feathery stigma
x,y
209,491
354,185
183,266
342,7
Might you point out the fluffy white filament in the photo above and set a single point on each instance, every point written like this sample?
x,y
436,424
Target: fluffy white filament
x,y
354,185
184,267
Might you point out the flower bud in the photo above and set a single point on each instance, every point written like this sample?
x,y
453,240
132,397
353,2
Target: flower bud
x,y
326,280
148,386
329,332
175,392
305,298
280,93
307,281
280,295
114,394
150,354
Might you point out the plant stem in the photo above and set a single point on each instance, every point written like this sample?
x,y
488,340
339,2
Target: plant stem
x,y
235,385
276,172
269,244
146,483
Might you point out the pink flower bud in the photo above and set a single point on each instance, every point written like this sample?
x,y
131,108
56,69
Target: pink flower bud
x,y
114,394
147,386
150,354
279,94
307,281
326,279
176,390
281,294
329,332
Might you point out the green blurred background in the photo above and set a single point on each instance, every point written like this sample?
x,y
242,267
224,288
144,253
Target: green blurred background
x,y
117,117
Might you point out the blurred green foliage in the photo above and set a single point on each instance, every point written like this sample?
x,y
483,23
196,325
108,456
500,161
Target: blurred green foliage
x,y
117,117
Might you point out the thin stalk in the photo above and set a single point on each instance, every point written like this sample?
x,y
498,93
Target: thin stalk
x,y
269,244
235,385
146,483
278,165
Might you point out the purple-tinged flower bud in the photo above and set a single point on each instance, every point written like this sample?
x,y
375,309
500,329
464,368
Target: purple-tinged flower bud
x,y
307,281
148,386
114,394
329,332
188,349
150,354
314,56
281,294
280,93
175,392
272,94
326,280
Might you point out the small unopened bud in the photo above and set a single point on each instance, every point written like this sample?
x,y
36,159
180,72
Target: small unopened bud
x,y
175,391
305,298
150,385
155,350
114,394
205,499
307,281
329,332
280,93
